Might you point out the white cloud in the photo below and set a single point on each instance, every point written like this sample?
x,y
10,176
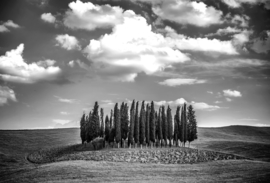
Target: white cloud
x,y
225,31
89,16
210,92
228,99
4,26
232,93
61,121
218,102
196,105
204,106
262,125
65,100
48,17
186,12
131,48
15,69
67,42
64,113
183,42
180,81
71,63
239,20
238,3
6,94
46,63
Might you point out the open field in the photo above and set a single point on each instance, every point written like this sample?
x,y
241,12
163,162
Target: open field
x,y
250,142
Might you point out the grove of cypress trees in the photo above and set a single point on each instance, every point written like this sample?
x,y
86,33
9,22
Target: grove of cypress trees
x,y
102,129
147,125
142,125
137,125
117,123
131,126
170,127
191,125
107,128
82,125
164,125
152,123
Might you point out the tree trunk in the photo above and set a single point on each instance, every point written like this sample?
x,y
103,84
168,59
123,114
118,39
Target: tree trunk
x,y
118,145
141,146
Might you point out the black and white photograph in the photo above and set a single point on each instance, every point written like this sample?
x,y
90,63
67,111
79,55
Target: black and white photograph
x,y
134,91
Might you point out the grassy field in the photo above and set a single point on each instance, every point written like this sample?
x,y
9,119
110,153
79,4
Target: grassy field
x,y
251,142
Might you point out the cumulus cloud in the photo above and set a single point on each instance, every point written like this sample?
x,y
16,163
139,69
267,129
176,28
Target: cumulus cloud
x,y
141,49
183,42
187,12
6,94
65,100
67,42
64,113
89,16
4,26
48,17
239,20
232,93
15,69
181,81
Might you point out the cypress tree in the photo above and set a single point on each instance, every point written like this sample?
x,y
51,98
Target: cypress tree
x,y
152,123
147,125
175,130
117,123
122,113
111,120
95,130
131,126
142,125
191,125
178,124
183,125
89,131
102,126
83,132
124,123
170,127
137,125
164,125
107,128
157,127
160,132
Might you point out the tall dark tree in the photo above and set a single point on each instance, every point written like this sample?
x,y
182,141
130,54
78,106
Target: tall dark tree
x,y
183,125
152,123
137,125
107,128
89,124
157,127
191,125
175,134
117,123
124,122
160,132
111,120
95,129
147,125
131,126
164,125
83,128
142,124
170,126
177,130
102,126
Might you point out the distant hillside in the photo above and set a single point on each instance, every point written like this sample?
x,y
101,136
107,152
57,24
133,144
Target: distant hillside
x,y
241,133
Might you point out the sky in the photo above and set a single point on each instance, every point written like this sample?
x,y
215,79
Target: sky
x,y
57,57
